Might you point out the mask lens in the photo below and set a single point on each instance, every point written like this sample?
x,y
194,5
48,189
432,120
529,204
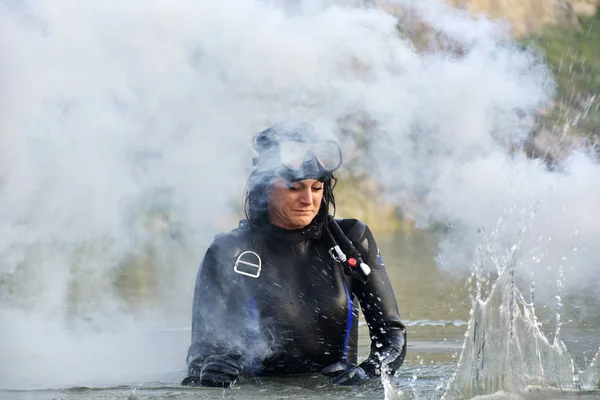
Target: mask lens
x,y
328,154
293,153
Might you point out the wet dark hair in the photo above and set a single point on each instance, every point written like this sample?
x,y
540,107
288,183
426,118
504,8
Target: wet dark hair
x,y
256,202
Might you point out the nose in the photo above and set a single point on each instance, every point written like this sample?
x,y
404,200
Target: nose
x,y
306,196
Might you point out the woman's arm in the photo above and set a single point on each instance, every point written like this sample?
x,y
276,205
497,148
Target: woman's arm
x,y
378,303
208,307
217,321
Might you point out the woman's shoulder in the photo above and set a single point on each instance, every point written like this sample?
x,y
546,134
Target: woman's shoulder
x,y
353,228
227,246
235,236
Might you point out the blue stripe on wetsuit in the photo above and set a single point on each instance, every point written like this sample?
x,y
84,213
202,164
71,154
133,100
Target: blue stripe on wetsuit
x,y
349,322
252,332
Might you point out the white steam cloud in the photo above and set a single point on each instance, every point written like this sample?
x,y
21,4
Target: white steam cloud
x,y
125,134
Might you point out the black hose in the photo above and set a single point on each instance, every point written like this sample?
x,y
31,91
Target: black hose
x,y
356,267
345,244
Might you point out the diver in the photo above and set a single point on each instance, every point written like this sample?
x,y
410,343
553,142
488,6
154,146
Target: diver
x,y
279,295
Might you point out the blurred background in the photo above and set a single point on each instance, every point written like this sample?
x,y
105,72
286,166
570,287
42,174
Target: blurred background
x,y
470,132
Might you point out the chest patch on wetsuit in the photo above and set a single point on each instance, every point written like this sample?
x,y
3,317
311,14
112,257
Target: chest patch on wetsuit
x,y
249,264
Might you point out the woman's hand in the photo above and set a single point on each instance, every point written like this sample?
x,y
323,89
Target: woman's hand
x,y
387,360
221,370
343,373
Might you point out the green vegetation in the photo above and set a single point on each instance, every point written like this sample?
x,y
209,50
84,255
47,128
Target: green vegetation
x,y
573,55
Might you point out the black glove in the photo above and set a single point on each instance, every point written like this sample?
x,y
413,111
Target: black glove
x,y
343,373
214,371
388,360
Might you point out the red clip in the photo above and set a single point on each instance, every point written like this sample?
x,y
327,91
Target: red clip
x,y
352,262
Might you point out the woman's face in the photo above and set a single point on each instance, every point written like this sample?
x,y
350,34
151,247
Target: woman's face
x,y
293,205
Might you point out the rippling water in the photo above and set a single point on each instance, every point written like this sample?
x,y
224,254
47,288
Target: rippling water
x,y
435,307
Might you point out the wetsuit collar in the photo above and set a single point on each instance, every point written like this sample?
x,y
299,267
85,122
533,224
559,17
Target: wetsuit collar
x,y
285,235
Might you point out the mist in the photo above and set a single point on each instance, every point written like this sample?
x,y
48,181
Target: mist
x,y
126,130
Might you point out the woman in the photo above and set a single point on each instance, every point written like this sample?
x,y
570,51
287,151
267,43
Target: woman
x,y
278,295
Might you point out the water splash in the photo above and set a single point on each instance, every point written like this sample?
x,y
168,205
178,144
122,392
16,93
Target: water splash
x,y
590,378
505,349
390,391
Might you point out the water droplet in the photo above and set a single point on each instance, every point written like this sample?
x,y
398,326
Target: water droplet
x,y
378,345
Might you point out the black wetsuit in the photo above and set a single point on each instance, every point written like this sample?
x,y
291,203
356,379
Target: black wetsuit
x,y
300,314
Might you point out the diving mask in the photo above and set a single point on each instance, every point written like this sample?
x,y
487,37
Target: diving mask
x,y
296,154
